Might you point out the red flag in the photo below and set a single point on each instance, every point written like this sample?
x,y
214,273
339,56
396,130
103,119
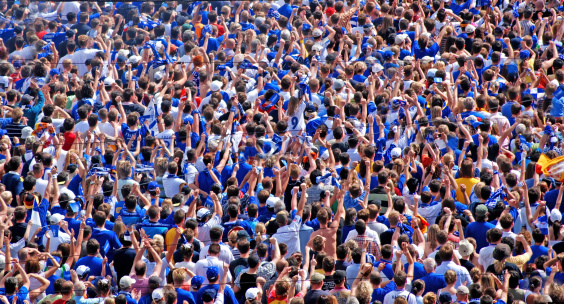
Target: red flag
x,y
183,96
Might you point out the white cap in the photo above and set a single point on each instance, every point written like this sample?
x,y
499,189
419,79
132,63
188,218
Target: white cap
x,y
317,33
202,212
487,164
26,132
400,38
271,201
470,29
251,293
317,47
157,294
216,85
56,218
465,248
377,68
555,215
82,270
396,152
408,58
123,52
134,59
108,81
431,72
126,282
427,59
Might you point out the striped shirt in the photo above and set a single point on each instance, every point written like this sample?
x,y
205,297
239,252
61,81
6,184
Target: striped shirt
x,y
14,129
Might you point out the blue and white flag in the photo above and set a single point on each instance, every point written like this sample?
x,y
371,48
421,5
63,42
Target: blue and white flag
x,y
494,197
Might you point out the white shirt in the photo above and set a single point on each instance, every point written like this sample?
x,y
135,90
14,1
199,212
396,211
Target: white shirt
x,y
390,297
82,127
204,231
73,6
369,233
55,241
486,256
463,276
106,128
202,266
172,185
40,186
225,253
290,235
64,189
79,58
166,137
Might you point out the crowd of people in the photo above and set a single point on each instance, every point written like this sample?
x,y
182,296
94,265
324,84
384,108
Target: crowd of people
x,y
282,152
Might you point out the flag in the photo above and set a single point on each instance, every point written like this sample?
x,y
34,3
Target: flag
x,y
542,224
492,200
38,216
183,95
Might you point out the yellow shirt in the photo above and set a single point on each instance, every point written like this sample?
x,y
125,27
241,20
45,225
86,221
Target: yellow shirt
x,y
169,238
469,183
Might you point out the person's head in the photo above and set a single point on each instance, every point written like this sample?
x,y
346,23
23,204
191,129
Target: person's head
x,y
67,288
400,278
446,252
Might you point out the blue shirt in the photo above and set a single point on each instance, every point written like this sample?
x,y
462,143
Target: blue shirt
x,y
183,295
538,250
94,263
478,230
130,299
108,240
379,293
13,183
434,282
22,295
388,270
229,295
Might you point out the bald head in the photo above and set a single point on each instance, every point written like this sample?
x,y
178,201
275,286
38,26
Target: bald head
x,y
140,268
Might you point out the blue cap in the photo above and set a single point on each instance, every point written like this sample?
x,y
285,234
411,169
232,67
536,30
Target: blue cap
x,y
17,64
54,72
524,54
476,123
306,27
209,295
388,54
365,46
445,297
153,186
197,281
212,273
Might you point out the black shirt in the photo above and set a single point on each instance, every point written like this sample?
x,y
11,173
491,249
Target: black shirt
x,y
500,275
81,29
312,296
328,283
123,261
18,231
558,247
237,265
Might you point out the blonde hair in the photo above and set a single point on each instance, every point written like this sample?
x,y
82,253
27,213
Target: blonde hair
x,y
432,235
430,298
123,169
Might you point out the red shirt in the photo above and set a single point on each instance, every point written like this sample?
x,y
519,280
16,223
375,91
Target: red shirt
x,y
69,140
220,29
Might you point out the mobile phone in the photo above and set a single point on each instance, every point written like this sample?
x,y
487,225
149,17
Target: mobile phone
x,y
437,80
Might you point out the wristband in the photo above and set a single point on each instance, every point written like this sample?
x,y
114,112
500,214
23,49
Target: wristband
x,y
195,112
495,172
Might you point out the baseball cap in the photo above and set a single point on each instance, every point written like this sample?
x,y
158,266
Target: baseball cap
x,y
445,297
134,59
203,212
26,99
271,201
121,59
339,276
17,64
499,30
56,218
317,278
377,68
157,294
317,33
481,210
212,273
108,81
26,132
317,47
209,295
126,282
462,290
69,33
338,84
396,152
465,248
18,30
555,215
196,282
82,270
155,281
153,186
216,85
54,72
470,29
501,251
400,38
251,293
